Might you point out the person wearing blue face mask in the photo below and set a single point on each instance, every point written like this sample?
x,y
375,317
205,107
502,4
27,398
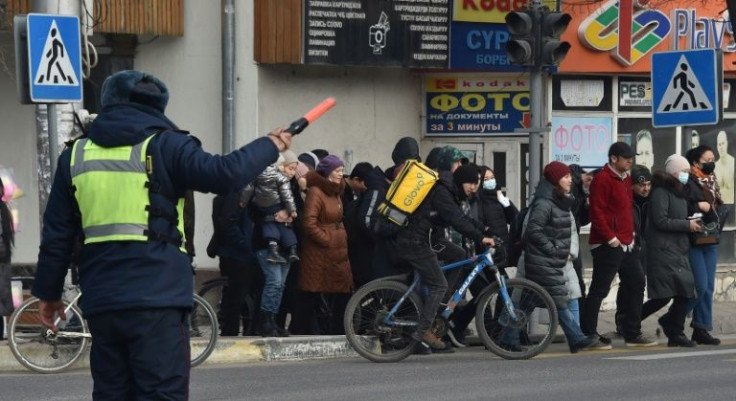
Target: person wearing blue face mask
x,y
667,235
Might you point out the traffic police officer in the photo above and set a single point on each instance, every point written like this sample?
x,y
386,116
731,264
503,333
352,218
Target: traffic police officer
x,y
121,189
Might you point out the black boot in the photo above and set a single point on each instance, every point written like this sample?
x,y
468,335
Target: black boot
x,y
293,254
268,328
273,254
280,331
701,336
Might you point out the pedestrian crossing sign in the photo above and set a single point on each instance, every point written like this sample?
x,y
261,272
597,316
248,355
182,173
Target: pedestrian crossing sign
x,y
54,58
686,87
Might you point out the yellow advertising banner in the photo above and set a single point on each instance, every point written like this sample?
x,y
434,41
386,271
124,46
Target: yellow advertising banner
x,y
491,11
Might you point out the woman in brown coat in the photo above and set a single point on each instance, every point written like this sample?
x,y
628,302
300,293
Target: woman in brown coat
x,y
325,268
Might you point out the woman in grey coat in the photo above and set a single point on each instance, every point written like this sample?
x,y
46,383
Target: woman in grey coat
x,y
7,238
669,276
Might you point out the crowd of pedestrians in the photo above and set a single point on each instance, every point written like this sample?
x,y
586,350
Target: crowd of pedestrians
x,y
647,228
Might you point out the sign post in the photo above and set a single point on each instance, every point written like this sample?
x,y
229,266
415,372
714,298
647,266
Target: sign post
x,y
54,67
686,87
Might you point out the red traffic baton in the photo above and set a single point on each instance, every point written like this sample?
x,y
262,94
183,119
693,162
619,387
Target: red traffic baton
x,y
299,125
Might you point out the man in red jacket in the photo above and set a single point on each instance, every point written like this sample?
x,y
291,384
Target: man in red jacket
x,y
612,245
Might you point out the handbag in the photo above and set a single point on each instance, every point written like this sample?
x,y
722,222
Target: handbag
x,y
710,235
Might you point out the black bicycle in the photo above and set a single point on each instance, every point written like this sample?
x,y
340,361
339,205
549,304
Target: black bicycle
x,y
382,315
212,292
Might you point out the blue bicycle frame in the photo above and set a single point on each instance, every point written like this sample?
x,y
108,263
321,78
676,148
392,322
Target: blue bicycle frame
x,y
481,261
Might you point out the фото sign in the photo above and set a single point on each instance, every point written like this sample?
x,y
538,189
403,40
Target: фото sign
x,y
476,105
580,140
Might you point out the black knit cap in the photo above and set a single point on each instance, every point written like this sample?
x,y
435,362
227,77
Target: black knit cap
x,y
466,174
640,174
406,148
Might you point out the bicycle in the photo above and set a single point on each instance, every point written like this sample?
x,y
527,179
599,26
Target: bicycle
x,y
43,351
381,316
212,291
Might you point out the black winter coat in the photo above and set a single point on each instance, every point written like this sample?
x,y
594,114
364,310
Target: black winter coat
x,y
376,187
667,239
579,205
441,209
495,216
547,242
360,243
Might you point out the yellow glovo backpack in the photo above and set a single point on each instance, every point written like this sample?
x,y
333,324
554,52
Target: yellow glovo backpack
x,y
407,192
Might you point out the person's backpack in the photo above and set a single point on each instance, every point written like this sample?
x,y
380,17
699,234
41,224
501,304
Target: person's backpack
x,y
517,236
409,189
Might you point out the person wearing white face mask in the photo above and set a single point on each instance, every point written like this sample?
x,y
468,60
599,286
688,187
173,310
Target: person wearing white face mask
x,y
495,211
669,275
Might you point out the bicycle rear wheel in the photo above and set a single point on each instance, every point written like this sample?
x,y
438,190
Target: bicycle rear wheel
x,y
36,348
524,336
365,326
212,292
202,331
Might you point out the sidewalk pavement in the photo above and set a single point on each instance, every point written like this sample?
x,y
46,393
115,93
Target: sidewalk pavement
x,y
234,350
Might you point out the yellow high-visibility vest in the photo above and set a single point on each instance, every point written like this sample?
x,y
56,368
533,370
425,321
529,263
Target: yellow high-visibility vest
x,y
111,190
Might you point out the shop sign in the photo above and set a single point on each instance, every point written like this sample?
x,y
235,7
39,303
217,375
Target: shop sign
x,y
580,140
476,105
631,30
493,11
411,33
477,46
635,94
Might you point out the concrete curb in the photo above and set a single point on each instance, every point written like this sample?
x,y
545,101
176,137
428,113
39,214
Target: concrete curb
x,y
229,350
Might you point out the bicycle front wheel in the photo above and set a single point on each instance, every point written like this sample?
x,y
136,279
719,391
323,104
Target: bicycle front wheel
x,y
367,329
202,331
36,348
519,330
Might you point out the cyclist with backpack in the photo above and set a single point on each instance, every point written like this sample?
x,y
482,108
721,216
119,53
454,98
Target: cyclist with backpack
x,y
411,244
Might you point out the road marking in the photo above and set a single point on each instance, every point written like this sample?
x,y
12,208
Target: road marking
x,y
652,357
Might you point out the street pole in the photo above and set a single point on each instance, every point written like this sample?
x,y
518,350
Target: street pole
x,y
47,142
537,102
228,76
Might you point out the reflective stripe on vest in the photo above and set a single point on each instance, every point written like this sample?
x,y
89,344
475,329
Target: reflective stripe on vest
x,y
111,191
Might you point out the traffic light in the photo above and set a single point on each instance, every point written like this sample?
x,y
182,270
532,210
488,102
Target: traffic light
x,y
554,25
520,47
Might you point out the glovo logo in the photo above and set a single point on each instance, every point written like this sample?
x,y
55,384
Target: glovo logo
x,y
411,196
628,34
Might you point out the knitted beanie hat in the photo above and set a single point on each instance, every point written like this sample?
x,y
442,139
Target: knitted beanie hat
x,y
327,165
301,170
676,163
447,156
554,172
466,174
640,174
289,157
309,158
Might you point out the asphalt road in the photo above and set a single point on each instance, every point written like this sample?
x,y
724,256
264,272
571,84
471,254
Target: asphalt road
x,y
661,373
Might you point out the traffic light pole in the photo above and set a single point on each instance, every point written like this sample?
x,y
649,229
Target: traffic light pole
x,y
537,103
535,134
